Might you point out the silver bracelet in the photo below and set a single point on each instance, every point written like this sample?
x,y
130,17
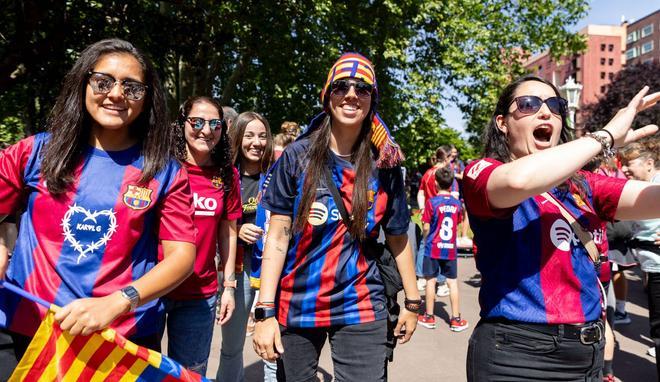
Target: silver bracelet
x,y
604,139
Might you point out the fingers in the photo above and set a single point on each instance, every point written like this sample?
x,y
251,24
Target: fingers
x,y
642,132
649,101
637,100
278,343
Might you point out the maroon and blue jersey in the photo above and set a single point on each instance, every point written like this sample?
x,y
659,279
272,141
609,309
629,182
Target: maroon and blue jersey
x,y
327,280
92,240
534,268
443,213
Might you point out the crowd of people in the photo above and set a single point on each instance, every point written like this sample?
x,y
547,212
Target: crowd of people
x,y
128,220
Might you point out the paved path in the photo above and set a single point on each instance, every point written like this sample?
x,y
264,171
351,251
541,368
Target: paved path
x,y
439,354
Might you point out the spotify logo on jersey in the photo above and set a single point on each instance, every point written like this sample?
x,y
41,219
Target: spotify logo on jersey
x,y
561,235
318,214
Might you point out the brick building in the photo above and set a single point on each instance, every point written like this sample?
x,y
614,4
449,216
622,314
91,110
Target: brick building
x,y
594,68
643,40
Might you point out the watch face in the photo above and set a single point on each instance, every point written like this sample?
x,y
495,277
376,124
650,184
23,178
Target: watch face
x,y
261,313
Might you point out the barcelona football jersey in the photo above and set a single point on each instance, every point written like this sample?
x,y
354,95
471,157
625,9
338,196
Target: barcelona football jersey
x,y
443,213
534,268
327,280
92,240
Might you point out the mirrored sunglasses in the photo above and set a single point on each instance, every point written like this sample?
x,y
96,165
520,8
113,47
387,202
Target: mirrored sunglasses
x,y
104,83
198,123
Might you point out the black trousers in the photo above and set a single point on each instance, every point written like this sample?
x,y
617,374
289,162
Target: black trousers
x,y
508,352
654,314
358,352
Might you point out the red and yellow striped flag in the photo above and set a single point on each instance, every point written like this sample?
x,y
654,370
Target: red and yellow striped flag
x,y
54,355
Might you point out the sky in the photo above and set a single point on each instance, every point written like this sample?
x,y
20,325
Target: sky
x,y
601,12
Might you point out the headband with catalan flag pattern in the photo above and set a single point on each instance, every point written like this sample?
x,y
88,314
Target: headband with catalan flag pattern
x,y
354,65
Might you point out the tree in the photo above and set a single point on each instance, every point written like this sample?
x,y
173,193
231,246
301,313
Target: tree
x,y
619,92
272,55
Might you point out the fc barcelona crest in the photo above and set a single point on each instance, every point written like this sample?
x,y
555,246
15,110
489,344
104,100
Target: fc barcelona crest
x,y
137,198
370,199
580,203
217,181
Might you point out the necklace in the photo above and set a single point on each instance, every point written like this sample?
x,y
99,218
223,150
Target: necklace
x,y
342,155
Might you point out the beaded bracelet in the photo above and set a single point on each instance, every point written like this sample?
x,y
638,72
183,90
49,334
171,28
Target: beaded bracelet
x,y
608,152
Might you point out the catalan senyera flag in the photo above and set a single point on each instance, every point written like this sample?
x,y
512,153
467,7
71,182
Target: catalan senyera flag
x,y
55,355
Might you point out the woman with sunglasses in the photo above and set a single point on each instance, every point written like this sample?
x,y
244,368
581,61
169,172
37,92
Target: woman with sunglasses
x,y
201,143
252,149
317,280
100,191
539,237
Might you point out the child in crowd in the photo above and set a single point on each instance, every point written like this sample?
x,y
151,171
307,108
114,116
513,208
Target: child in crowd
x,y
442,214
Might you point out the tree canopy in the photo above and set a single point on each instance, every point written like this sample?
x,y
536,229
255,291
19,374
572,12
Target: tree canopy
x,y
272,56
619,92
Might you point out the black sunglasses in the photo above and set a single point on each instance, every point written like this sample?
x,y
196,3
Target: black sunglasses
x,y
198,123
103,83
532,104
341,87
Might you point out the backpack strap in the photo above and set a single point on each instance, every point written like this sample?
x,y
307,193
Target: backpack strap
x,y
330,183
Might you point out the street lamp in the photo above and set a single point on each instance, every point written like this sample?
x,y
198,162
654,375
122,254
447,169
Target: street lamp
x,y
571,90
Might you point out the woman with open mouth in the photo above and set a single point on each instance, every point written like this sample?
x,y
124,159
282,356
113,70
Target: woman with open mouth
x,y
538,224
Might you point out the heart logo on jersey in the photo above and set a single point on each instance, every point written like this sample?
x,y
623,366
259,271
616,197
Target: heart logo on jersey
x,y
91,230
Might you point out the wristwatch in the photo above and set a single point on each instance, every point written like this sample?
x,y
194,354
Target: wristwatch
x,y
263,312
229,284
132,295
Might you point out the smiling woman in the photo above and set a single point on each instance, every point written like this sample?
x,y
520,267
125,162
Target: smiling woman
x,y
104,160
319,276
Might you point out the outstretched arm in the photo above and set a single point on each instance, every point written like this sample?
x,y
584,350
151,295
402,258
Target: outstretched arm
x,y
513,182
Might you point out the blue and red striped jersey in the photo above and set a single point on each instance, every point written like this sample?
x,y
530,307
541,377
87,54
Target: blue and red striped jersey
x,y
443,213
534,268
327,280
94,239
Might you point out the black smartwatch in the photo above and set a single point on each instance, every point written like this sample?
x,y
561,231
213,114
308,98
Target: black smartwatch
x,y
263,312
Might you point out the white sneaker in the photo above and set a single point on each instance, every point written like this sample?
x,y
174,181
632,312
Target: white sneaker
x,y
421,284
443,291
651,351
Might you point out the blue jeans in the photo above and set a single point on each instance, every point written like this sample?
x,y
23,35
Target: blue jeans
x,y
233,336
189,326
419,260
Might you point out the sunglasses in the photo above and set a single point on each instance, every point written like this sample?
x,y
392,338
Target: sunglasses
x,y
532,104
198,123
104,83
341,87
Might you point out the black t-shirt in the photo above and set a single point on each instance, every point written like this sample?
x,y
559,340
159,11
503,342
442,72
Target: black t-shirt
x,y
249,191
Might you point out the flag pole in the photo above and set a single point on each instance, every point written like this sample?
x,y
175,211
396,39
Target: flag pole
x,y
22,293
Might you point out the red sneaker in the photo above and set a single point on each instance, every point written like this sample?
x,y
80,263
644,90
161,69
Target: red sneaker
x,y
426,320
608,378
457,324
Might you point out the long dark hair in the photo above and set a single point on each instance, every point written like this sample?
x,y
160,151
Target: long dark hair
x,y
496,144
236,135
221,153
69,122
318,157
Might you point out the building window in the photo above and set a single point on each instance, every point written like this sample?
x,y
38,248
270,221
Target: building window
x,y
610,75
602,47
632,37
602,75
647,47
602,89
632,53
648,61
647,30
610,62
602,60
610,47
